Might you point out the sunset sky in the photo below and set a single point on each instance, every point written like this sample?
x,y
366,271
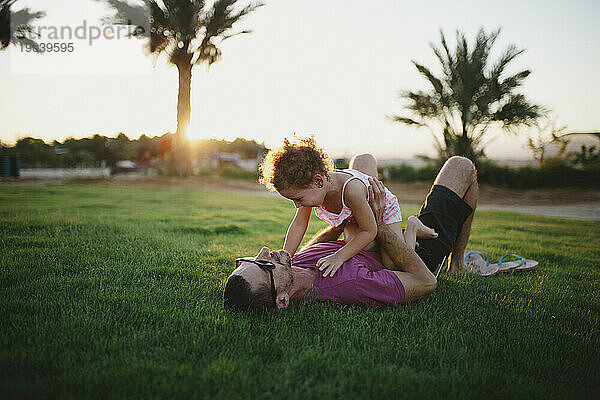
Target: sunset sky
x,y
328,67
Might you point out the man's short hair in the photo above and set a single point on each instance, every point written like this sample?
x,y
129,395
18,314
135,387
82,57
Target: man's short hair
x,y
238,296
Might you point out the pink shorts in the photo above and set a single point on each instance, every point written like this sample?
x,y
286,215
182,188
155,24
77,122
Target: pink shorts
x,y
392,211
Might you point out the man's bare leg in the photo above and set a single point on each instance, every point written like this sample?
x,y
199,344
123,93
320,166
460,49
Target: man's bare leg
x,y
365,163
459,175
456,260
386,260
417,279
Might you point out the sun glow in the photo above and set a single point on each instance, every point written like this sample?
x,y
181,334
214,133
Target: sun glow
x,y
112,86
195,132
202,130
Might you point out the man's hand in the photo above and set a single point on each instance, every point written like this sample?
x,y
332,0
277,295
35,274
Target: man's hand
x,y
330,264
377,199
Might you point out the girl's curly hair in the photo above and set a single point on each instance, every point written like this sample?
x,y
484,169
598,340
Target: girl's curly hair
x,y
294,164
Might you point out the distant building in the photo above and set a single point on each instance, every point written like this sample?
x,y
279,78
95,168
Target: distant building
x,y
225,160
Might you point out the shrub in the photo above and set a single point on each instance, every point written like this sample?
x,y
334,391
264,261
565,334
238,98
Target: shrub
x,y
229,172
553,173
407,173
237,173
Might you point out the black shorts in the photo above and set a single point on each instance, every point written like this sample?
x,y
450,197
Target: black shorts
x,y
445,212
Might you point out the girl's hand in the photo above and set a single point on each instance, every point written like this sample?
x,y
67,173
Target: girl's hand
x,y
330,264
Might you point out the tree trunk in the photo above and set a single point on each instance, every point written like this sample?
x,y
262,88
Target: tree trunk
x,y
183,98
181,150
464,142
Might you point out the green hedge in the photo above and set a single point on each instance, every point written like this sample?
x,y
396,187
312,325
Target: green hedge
x,y
553,173
405,173
229,172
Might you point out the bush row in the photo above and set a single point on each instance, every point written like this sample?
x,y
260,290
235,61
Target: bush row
x,y
554,173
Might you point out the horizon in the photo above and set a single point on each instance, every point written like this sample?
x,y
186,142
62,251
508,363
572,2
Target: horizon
x,y
414,160
300,83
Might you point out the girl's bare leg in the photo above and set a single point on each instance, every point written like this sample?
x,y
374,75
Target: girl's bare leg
x,y
367,164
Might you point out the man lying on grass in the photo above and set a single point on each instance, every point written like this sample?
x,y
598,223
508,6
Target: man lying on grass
x,y
272,279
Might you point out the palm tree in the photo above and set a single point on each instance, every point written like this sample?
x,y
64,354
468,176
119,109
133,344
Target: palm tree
x,y
15,27
471,95
189,33
594,134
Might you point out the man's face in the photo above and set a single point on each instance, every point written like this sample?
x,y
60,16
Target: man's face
x,y
282,273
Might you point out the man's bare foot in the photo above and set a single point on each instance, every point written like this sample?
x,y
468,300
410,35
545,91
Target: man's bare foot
x,y
421,231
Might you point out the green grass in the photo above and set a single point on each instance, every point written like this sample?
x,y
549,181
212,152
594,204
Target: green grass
x,y
113,292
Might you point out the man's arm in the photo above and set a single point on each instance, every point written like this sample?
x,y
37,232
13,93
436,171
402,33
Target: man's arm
x,y
326,235
417,279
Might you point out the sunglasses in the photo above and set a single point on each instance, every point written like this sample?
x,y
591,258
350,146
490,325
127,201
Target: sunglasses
x,y
266,265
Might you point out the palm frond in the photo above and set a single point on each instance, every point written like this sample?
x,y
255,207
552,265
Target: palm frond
x,y
435,82
15,27
517,110
513,81
483,44
159,28
221,17
183,18
5,30
510,54
449,55
173,25
404,120
423,104
217,22
127,14
235,34
470,94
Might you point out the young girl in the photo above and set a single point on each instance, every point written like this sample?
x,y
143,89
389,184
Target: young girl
x,y
301,172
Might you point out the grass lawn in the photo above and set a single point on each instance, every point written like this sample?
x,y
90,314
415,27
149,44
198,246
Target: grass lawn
x,y
111,292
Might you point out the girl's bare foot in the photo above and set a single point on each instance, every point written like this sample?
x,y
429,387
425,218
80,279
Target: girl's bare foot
x,y
421,231
414,229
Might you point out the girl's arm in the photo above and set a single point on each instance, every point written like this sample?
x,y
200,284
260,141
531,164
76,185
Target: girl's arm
x,y
356,199
297,229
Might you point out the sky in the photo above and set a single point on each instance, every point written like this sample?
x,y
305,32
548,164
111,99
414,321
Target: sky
x,y
332,68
